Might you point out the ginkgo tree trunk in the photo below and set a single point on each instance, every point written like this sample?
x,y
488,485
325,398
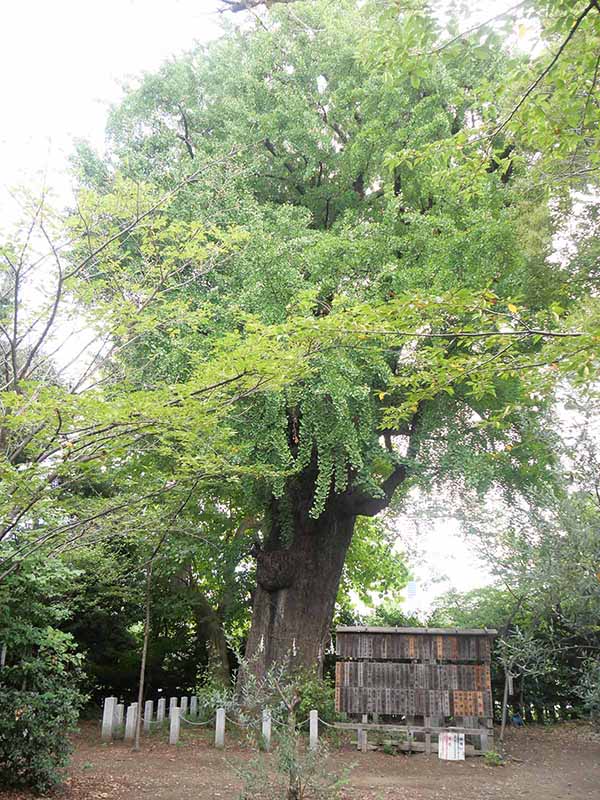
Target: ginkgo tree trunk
x,y
297,580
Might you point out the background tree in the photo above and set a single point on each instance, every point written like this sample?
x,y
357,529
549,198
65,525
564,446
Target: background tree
x,y
544,559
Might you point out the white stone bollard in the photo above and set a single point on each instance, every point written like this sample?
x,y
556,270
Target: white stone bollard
x,y
193,707
160,710
130,721
266,728
174,722
313,730
108,716
220,729
118,718
172,704
364,741
184,706
148,714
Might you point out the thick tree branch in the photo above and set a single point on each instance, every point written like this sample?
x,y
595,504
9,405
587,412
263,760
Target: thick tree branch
x,y
370,506
289,167
366,505
475,334
185,136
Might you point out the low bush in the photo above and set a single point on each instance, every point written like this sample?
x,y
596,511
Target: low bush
x,y
493,759
589,690
40,696
314,693
34,736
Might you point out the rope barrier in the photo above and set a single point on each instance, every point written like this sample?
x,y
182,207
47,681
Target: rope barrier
x,y
233,722
285,723
189,721
258,723
327,724
242,725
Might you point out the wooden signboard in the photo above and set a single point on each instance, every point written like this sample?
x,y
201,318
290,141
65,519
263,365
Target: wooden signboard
x,y
429,679
451,746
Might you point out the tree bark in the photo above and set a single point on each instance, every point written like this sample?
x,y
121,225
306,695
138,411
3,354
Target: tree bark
x,y
299,564
296,591
298,572
138,723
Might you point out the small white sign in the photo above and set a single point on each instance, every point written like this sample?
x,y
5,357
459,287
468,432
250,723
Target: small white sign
x,y
451,746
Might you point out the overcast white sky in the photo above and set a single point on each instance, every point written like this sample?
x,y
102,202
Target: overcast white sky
x,y
63,63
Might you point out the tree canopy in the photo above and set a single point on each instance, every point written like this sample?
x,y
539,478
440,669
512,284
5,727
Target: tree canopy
x,y
318,264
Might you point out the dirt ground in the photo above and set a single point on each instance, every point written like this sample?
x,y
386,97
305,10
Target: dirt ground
x,y
542,763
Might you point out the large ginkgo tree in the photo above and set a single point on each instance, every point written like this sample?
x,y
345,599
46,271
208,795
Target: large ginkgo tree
x,y
367,203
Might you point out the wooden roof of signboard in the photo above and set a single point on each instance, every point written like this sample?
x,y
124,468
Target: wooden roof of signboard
x,y
416,631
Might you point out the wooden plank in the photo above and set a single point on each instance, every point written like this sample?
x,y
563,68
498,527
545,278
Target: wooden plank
x,y
427,736
484,740
419,747
390,728
412,647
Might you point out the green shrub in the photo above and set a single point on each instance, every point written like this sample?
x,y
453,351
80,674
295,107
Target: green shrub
x,y
39,684
34,741
212,696
294,772
589,690
493,759
314,693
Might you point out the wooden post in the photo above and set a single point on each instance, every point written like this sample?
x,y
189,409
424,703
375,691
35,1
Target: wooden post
x,y
172,704
148,714
220,729
313,734
131,721
484,739
108,717
118,719
489,723
364,744
427,721
160,710
504,706
174,722
194,707
266,729
359,731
